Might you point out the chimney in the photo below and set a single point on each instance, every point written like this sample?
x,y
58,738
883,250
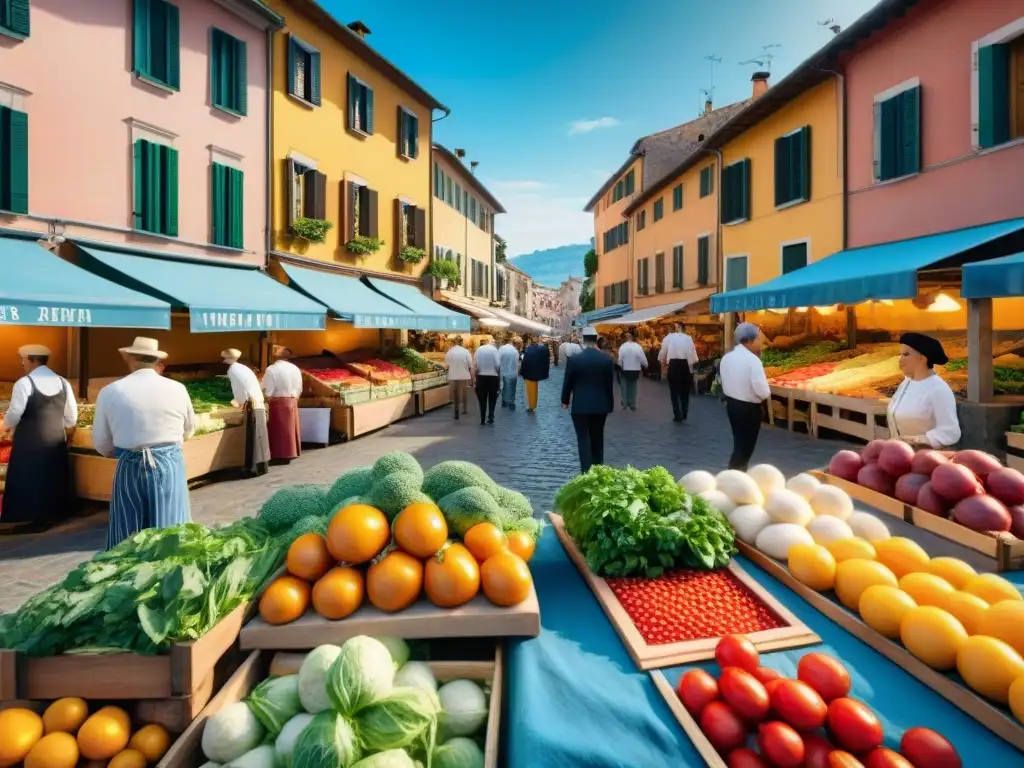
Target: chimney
x,y
708,107
360,29
760,80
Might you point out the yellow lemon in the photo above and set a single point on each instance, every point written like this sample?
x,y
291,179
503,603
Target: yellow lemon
x,y
854,576
926,588
901,556
1016,696
883,607
991,588
1005,620
989,666
850,549
55,750
952,569
65,715
966,608
128,758
102,736
933,635
813,565
20,729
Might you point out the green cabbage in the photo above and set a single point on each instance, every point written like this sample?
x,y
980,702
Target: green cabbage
x,y
393,758
451,476
396,461
231,733
363,672
285,744
416,674
398,648
329,741
275,701
460,752
398,720
465,707
313,676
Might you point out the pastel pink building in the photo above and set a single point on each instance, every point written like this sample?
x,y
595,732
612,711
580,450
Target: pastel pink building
x,y
137,122
935,121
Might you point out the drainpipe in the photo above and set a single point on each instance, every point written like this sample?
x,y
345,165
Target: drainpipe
x,y
727,319
269,131
430,205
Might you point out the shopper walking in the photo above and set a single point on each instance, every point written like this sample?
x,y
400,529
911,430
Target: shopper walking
x,y
508,362
488,371
745,387
569,348
142,420
679,356
460,375
535,369
282,382
247,395
589,388
632,360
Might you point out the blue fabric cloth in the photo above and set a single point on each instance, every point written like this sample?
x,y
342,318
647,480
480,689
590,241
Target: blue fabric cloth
x,y
589,383
536,363
604,313
994,279
430,316
508,390
150,491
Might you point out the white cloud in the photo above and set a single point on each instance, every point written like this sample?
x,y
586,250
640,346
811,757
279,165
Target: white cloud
x,y
536,221
520,185
586,126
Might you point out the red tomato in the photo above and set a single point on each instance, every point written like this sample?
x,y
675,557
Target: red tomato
x,y
723,728
771,685
925,747
780,745
744,694
696,690
766,675
885,758
839,759
746,758
816,750
854,726
825,675
736,651
799,705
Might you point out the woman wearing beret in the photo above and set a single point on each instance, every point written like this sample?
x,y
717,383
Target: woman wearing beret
x,y
923,409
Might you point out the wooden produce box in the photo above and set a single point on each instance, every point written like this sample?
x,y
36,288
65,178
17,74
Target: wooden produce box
x,y
373,415
187,751
690,726
429,399
792,406
1015,442
1006,550
844,414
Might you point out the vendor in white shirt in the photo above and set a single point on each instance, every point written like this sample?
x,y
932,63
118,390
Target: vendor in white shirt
x,y
745,387
142,420
678,356
38,490
632,360
922,411
246,394
282,381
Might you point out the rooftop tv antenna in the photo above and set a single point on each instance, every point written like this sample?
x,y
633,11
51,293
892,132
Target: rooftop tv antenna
x,y
834,28
472,166
710,92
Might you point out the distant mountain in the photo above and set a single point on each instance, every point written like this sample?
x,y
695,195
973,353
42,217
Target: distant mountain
x,y
553,265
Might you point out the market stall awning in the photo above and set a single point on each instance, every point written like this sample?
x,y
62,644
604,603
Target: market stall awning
x,y
885,271
428,315
653,313
483,315
40,288
994,279
219,297
521,324
604,313
350,299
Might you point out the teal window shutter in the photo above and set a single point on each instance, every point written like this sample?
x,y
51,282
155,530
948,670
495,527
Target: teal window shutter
x,y
13,160
240,87
14,17
218,219
169,191
993,95
314,77
677,197
414,136
139,189
703,261
736,274
909,149
783,169
794,257
745,189
353,101
659,208
173,46
140,38
803,157
888,139
368,106
403,126
236,195
156,44
293,54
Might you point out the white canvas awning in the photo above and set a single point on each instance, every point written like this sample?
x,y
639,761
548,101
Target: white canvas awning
x,y
662,310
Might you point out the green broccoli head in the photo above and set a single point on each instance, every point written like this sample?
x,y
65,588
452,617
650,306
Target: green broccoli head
x,y
528,525
396,461
465,508
308,524
451,476
514,505
355,482
394,492
290,504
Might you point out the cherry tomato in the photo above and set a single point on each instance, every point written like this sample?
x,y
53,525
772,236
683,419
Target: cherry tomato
x,y
780,745
839,759
736,651
816,750
744,694
723,728
799,705
825,675
854,726
766,675
925,747
746,758
696,690
885,758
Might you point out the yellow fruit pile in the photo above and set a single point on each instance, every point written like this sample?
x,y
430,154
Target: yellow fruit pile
x,y
67,733
943,611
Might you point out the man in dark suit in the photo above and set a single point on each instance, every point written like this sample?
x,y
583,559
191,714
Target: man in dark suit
x,y
589,386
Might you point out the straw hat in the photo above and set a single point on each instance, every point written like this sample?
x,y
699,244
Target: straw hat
x,y
230,355
34,350
146,347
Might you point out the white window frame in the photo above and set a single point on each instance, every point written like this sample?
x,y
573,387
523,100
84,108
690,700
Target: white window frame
x,y
725,275
13,97
413,113
226,157
1004,34
298,187
804,241
876,134
151,133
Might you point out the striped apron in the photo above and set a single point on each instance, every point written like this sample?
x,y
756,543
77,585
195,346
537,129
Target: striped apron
x,y
150,491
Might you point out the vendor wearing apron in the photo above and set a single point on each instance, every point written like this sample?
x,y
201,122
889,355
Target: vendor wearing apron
x,y
142,420
246,393
38,490
922,411
282,382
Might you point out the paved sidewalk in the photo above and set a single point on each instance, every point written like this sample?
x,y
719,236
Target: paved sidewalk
x,y
533,453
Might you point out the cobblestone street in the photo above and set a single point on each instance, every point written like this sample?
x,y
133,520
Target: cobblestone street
x,y
533,453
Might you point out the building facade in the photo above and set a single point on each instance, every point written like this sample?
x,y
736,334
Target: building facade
x,y
518,287
547,307
569,303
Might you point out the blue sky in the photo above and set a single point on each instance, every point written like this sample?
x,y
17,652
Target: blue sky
x,y
549,95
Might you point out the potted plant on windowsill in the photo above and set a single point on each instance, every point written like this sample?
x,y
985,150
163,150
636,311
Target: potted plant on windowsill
x,y
311,230
410,254
447,272
361,245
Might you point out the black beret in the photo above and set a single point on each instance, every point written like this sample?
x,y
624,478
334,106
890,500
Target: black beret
x,y
928,346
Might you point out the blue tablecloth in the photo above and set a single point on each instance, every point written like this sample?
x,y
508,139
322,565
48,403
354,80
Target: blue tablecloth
x,y
577,699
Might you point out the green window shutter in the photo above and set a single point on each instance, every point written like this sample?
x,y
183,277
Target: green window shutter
x,y
293,53
141,153
13,160
744,175
728,185
803,158
993,95
414,135
402,137
369,108
169,190
703,261
909,149
17,17
218,208
888,139
353,102
151,219
736,274
236,196
783,169
140,37
314,77
794,257
173,32
240,87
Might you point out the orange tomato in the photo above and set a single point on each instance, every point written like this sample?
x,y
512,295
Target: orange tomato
x,y
506,579
285,600
522,544
338,593
65,715
395,582
484,540
152,741
103,735
452,578
420,529
357,534
308,557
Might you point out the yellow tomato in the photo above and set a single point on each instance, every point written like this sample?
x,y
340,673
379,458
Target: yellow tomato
x,y
65,715
1005,620
152,741
128,758
966,608
20,729
851,549
883,607
1016,697
933,635
991,588
901,556
55,750
813,565
854,576
926,588
989,666
952,569
119,714
102,736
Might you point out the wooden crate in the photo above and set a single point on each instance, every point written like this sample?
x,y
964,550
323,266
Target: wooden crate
x,y
997,720
187,751
1015,442
373,415
844,414
794,406
438,397
690,726
794,634
1006,550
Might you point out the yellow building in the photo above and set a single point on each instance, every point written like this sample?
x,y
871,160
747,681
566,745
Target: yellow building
x,y
612,231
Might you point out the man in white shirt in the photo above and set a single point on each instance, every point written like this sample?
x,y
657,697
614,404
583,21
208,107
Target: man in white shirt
x,y
488,370
508,362
460,374
632,360
142,420
745,387
679,356
282,381
569,348
42,408
247,395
